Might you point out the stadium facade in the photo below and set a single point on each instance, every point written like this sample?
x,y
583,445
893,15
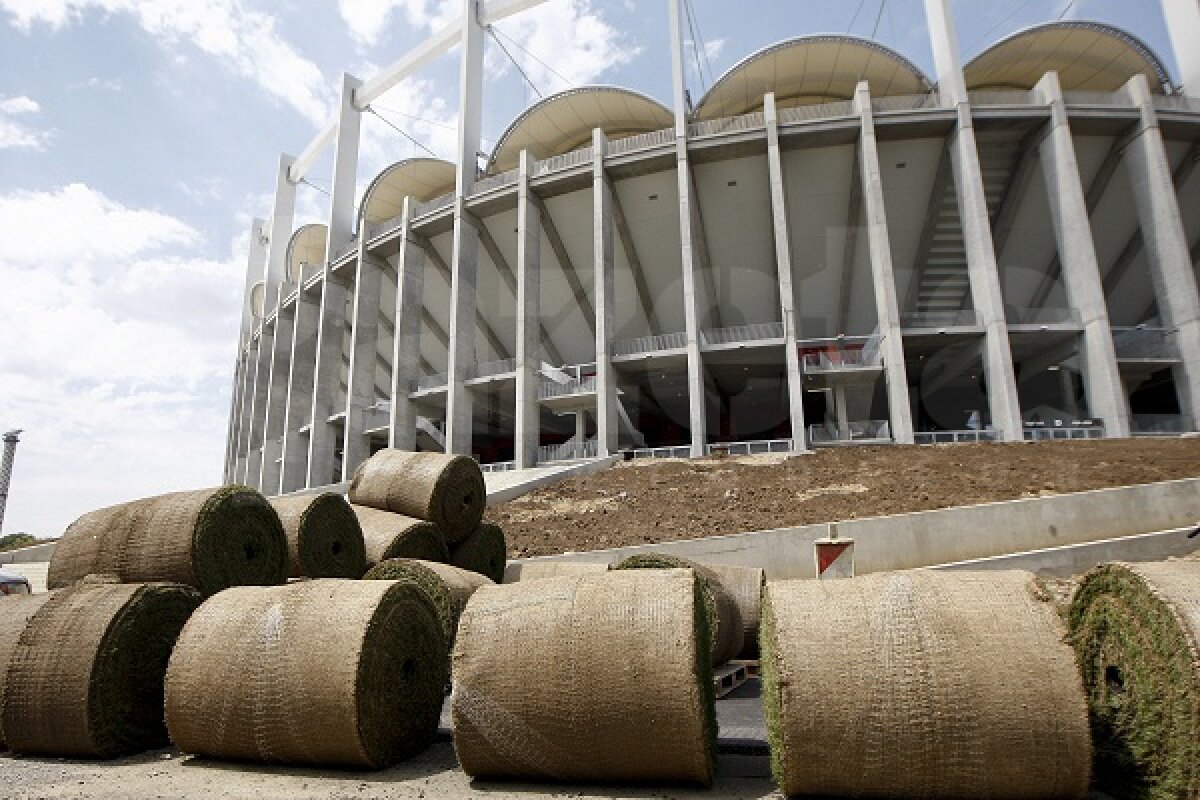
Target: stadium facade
x,y
829,247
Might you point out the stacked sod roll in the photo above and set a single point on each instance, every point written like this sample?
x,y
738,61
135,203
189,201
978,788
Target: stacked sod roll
x,y
210,539
86,675
448,586
745,585
444,489
724,619
1136,630
324,537
15,613
485,551
537,695
922,684
321,672
537,570
387,535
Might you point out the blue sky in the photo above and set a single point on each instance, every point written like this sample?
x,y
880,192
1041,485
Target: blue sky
x,y
139,137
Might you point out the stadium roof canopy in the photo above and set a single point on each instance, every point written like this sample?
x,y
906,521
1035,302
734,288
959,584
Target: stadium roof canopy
x,y
420,178
307,246
810,70
564,122
1088,56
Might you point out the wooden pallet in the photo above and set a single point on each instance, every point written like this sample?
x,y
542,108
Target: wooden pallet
x,y
728,677
751,665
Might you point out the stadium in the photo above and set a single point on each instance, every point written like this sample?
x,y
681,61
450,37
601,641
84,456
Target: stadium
x,y
827,248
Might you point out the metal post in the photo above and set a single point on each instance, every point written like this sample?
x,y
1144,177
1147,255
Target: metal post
x,y
6,466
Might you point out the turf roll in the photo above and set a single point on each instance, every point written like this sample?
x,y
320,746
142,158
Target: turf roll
x,y
210,539
725,620
85,678
15,612
446,490
537,570
449,587
1136,631
485,552
601,678
323,672
745,585
323,534
389,535
922,684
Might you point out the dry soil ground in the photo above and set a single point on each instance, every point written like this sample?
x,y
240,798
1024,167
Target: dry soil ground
x,y
649,501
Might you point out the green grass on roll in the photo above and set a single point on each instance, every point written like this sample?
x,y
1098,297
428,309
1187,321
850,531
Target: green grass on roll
x,y
485,552
416,572
324,537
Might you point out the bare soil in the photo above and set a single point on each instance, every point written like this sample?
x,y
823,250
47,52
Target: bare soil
x,y
650,501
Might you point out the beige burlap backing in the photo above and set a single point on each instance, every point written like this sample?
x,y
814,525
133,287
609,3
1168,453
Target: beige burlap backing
x,y
15,612
462,583
387,534
537,570
922,684
447,490
745,585
1179,584
590,678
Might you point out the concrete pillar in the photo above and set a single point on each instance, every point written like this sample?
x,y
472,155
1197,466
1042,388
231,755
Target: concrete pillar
x,y
465,260
306,318
986,295
239,425
406,347
1183,26
1080,268
887,308
258,403
283,217
1166,247
323,435
842,409
529,342
281,356
605,294
783,273
364,351
580,431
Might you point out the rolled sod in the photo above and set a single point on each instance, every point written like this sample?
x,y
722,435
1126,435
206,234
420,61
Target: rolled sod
x,y
15,613
449,587
922,684
324,537
600,678
1136,631
86,676
322,672
485,552
745,585
443,489
210,539
537,570
388,535
725,620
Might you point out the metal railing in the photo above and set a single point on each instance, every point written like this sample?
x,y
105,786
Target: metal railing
x,y
498,466
858,430
1176,102
649,344
839,108
905,102
1043,316
1157,424
494,182
549,388
940,319
489,368
742,333
430,206
1144,342
1107,99
751,448
1002,98
434,381
712,127
673,451
567,451
1040,433
564,161
847,353
950,437
345,250
642,141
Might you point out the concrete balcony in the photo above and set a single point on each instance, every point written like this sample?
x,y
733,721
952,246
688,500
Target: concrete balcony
x,y
870,431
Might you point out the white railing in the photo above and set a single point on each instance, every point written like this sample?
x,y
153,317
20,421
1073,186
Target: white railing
x,y
564,161
1157,424
1144,342
738,124
430,206
950,437
752,448
1035,433
1043,316
649,344
905,102
1096,99
498,466
1002,98
489,368
839,108
494,182
860,430
345,250
549,388
1176,102
674,451
434,381
843,353
642,141
567,451
940,319
742,333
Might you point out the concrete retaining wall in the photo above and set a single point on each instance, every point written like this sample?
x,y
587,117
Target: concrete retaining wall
x,y
28,555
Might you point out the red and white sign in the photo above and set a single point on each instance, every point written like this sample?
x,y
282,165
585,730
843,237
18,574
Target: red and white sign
x,y
835,558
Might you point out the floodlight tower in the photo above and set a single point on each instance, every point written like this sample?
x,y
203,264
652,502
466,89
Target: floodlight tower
x,y
6,464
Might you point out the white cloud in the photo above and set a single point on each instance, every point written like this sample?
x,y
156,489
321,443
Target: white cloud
x,y
246,41
121,377
14,135
19,105
367,19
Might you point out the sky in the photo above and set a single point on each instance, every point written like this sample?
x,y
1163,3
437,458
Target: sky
x,y
139,138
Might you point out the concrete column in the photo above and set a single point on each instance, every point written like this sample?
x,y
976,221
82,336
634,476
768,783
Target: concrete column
x,y
580,431
256,258
306,318
1080,268
1183,26
323,435
783,273
842,410
406,347
947,61
529,341
1166,247
281,356
364,351
887,308
465,259
258,403
283,217
605,293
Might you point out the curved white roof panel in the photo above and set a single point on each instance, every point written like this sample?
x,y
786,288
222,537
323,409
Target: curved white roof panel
x,y
1088,56
420,178
306,248
564,122
810,70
